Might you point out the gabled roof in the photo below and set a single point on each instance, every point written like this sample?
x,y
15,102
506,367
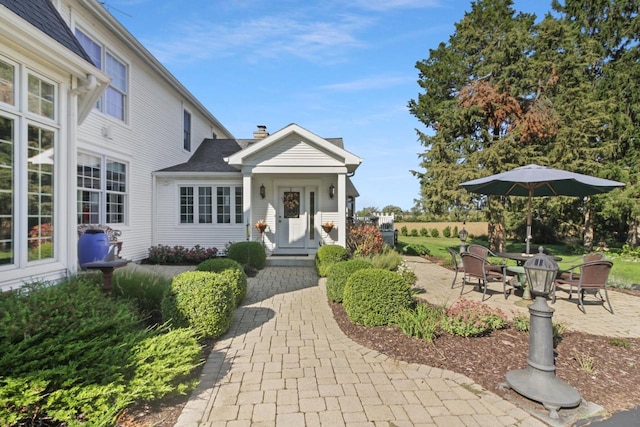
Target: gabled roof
x,y
44,16
333,146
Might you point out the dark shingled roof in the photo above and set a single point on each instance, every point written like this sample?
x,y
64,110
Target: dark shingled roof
x,y
44,16
209,157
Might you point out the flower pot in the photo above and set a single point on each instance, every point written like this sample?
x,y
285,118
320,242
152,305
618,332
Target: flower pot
x,y
93,245
327,229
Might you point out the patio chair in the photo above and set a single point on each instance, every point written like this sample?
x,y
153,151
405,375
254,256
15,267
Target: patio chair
x,y
456,263
572,273
593,278
486,253
475,270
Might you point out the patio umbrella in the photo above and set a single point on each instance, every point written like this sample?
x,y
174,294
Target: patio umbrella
x,y
537,181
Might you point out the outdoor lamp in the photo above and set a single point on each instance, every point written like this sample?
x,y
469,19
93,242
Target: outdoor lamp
x,y
463,234
332,191
262,191
538,381
541,272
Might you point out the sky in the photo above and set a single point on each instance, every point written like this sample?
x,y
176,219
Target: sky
x,y
338,68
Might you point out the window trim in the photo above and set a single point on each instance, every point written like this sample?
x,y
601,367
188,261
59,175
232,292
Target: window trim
x,y
197,207
103,191
187,129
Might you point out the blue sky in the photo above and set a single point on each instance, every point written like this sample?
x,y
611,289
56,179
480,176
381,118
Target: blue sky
x,y
339,68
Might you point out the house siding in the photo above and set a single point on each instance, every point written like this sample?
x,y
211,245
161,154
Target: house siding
x,y
294,151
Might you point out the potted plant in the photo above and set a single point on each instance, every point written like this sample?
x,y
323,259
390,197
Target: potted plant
x,y
261,225
327,226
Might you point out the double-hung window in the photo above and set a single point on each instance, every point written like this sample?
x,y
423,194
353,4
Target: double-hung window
x,y
198,204
114,100
102,190
27,161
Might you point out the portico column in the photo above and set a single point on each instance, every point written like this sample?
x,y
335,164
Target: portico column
x,y
342,209
246,202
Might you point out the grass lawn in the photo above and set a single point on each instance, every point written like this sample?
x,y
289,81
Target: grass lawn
x,y
625,272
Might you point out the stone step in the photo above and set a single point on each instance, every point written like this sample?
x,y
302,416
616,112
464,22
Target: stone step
x,y
290,261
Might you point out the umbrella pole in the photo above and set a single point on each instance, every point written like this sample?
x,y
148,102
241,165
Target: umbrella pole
x,y
529,220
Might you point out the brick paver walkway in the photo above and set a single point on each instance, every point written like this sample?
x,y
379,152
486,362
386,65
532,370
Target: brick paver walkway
x,y
285,362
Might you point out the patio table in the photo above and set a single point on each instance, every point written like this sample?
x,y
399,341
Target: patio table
x,y
520,258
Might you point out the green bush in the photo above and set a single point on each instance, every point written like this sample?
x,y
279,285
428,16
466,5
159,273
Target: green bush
x,y
435,232
250,254
374,297
414,233
328,255
70,356
446,232
417,249
455,232
338,275
217,265
424,232
144,290
163,254
202,300
389,259
422,322
472,318
404,231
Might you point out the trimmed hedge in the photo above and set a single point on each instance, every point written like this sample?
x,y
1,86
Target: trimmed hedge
x,y
217,265
339,274
374,297
328,255
250,254
202,300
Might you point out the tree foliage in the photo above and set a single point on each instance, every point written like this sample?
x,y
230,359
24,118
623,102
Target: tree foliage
x,y
505,91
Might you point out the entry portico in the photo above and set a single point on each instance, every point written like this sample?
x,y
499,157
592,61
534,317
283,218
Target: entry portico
x,y
296,181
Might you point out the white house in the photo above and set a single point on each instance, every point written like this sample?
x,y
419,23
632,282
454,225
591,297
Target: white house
x,y
93,129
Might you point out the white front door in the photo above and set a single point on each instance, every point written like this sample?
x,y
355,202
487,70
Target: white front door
x,y
292,218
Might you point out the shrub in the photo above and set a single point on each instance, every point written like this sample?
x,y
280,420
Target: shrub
x,y
374,297
218,265
144,290
339,274
422,322
327,256
250,254
404,231
455,231
417,249
162,254
424,232
388,259
414,233
201,300
71,356
472,318
364,240
407,274
435,232
446,232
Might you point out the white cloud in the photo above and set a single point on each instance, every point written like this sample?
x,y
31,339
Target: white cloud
x,y
385,5
369,83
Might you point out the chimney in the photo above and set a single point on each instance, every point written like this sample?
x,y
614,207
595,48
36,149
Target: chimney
x,y
261,133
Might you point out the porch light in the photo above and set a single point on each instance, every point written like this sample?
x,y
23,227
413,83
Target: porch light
x,y
538,381
332,191
262,191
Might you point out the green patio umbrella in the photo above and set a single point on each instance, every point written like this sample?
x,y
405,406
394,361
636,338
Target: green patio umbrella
x,y
538,181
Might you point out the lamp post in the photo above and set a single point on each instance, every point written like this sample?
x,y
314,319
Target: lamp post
x,y
463,234
538,381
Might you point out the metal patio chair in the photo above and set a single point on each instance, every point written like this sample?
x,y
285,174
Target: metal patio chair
x,y
475,272
593,278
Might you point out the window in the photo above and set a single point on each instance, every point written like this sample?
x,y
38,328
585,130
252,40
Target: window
x,y
187,131
205,205
226,208
114,100
41,97
186,205
7,161
27,148
102,190
7,83
40,193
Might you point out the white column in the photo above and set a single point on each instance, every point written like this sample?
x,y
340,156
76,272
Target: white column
x,y
246,202
342,209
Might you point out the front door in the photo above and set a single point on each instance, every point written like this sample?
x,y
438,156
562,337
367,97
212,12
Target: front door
x,y
292,218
